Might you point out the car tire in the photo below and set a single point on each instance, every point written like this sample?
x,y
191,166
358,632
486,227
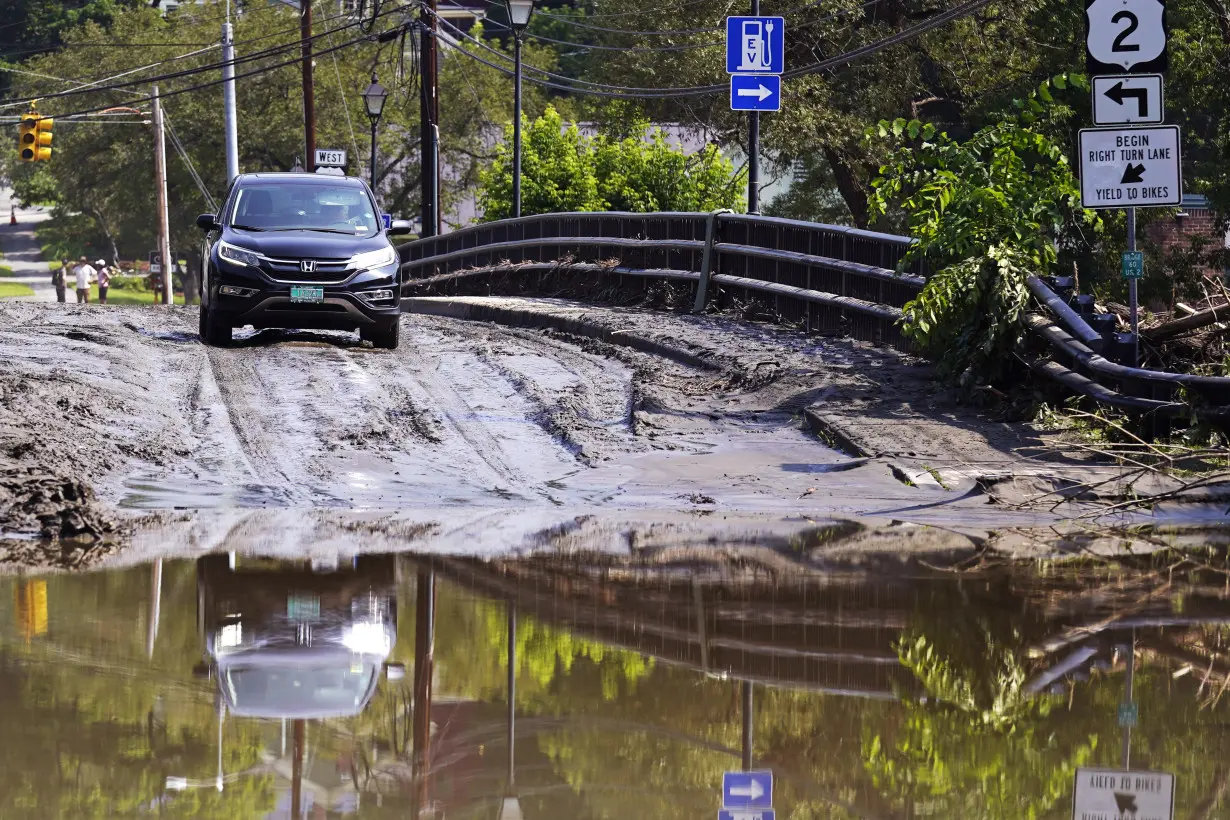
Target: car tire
x,y
386,336
214,330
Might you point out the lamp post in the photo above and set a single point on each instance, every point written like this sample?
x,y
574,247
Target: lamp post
x,y
519,13
373,97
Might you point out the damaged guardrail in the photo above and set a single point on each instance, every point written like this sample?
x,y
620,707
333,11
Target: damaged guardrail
x,y
1077,363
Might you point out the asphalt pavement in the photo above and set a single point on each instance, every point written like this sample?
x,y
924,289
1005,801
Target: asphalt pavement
x,y
21,248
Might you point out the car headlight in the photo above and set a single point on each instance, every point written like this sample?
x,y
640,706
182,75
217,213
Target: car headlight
x,y
373,259
367,639
239,255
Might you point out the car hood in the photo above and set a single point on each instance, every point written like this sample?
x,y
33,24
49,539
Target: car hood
x,y
305,244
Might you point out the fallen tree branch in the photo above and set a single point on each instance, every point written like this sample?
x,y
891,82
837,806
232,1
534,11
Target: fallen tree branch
x,y
1187,324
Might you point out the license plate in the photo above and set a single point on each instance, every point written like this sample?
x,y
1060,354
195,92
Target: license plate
x,y
299,294
302,608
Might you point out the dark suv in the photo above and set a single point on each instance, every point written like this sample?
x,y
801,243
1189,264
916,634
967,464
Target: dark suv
x,y
300,251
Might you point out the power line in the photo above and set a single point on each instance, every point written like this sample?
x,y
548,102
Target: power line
x,y
270,52
600,90
213,83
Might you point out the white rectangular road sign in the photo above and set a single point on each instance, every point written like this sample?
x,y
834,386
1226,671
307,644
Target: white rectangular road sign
x,y
1121,99
330,158
1112,794
1130,167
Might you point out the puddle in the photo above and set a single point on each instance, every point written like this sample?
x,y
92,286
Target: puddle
x,y
902,692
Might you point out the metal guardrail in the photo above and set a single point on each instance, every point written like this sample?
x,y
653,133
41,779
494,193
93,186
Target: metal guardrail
x,y
829,279
1075,363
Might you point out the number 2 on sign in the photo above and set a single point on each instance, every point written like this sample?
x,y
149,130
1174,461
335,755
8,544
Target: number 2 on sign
x,y
1133,24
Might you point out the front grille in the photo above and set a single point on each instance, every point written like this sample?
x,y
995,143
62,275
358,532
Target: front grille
x,y
308,307
288,270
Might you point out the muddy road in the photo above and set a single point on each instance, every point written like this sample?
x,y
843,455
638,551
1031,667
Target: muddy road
x,y
108,414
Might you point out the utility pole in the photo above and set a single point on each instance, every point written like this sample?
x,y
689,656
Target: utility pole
x,y
164,222
753,148
309,98
429,117
228,97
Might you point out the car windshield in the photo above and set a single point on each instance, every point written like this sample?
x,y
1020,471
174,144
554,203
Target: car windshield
x,y
297,691
336,207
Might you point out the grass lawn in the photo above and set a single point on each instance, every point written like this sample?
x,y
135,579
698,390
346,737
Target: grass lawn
x,y
10,289
6,272
117,296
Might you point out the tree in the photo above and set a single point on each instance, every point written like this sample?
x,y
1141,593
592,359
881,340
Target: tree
x,y
564,170
987,213
103,172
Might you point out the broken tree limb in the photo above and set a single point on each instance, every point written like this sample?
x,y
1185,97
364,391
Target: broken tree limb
x,y
1187,324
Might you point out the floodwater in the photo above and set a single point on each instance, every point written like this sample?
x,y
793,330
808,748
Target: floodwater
x,y
240,687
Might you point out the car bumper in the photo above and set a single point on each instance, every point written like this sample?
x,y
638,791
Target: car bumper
x,y
270,305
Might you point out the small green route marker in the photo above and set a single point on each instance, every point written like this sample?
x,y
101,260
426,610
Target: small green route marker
x,y
1133,264
1129,715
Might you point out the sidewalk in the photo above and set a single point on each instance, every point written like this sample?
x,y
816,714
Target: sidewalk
x,y
21,249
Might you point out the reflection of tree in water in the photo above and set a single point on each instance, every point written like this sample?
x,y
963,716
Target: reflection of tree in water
x,y
92,728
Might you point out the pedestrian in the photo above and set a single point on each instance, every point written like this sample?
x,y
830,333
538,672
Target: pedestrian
x,y
59,278
104,280
85,274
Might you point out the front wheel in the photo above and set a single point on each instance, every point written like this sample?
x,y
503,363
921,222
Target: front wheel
x,y
215,331
386,336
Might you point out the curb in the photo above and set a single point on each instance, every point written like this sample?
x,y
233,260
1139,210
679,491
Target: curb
x,y
578,326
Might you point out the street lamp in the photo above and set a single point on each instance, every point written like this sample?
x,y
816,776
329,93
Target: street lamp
x,y
519,14
373,98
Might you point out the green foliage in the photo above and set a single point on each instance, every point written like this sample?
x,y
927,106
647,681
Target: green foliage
x,y
978,745
8,290
564,170
986,213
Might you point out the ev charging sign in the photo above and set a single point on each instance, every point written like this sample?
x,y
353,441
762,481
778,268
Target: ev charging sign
x,y
755,45
755,59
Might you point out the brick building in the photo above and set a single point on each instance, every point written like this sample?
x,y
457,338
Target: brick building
x,y
1196,218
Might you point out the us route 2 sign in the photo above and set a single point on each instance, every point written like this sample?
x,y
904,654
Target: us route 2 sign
x,y
1114,794
1127,99
1125,36
1130,167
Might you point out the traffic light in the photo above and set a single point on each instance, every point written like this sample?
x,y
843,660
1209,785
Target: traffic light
x,y
34,137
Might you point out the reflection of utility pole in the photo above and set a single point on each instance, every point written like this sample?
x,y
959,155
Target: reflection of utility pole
x,y
510,809
424,661
1128,687
155,607
296,771
747,725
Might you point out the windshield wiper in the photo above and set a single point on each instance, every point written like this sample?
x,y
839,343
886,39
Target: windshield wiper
x,y
321,230
247,227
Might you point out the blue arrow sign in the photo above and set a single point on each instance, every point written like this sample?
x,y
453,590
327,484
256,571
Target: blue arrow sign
x,y
755,45
755,92
747,790
755,814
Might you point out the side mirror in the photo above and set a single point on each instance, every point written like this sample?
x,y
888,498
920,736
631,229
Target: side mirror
x,y
207,222
401,227
395,671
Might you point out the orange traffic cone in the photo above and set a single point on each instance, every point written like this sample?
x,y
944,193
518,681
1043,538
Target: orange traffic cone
x,y
13,215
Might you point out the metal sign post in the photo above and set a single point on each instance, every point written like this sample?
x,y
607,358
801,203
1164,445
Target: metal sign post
x,y
755,60
1129,168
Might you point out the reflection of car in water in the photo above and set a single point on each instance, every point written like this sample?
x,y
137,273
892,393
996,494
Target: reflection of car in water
x,y
286,641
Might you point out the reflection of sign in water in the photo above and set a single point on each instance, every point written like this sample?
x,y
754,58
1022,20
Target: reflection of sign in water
x,y
747,790
31,605
1114,794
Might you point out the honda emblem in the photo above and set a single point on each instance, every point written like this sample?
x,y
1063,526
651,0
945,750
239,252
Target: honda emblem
x,y
307,265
